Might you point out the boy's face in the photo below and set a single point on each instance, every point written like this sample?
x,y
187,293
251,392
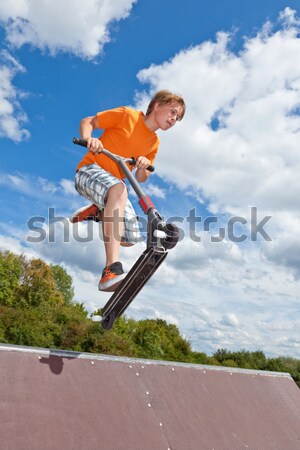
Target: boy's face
x,y
166,115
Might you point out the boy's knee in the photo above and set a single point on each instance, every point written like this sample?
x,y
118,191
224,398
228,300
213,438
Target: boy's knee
x,y
123,193
119,191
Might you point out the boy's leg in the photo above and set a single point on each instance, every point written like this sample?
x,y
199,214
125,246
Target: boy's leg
x,y
109,194
94,183
113,221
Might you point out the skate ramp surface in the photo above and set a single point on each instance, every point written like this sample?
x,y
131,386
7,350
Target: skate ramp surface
x,y
51,399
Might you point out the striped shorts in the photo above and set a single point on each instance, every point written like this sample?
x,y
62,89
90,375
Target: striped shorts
x,y
93,182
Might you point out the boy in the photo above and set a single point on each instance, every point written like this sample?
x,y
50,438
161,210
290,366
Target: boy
x,y
128,133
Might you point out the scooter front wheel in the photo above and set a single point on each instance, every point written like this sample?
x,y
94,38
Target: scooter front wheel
x,y
172,237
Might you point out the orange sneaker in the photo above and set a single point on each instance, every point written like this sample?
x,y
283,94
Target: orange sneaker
x,y
111,277
89,212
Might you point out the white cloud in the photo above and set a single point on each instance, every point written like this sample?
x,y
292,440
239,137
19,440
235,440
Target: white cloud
x,y
56,26
254,98
285,249
154,191
14,245
61,25
12,117
62,194
240,136
68,187
229,320
151,189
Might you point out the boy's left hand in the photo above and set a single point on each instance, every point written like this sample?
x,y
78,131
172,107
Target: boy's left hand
x,y
142,162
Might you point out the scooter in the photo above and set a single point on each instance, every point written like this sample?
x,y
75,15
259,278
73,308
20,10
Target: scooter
x,y
161,237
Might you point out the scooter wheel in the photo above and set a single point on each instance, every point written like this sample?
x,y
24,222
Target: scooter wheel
x,y
172,237
108,321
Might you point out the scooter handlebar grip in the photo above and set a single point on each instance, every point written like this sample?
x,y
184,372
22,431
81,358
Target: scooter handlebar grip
x,y
133,162
151,168
81,142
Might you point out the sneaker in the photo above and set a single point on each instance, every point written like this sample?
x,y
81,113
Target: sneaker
x,y
89,212
111,277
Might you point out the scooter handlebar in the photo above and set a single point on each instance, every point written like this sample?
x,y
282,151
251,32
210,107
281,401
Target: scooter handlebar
x,y
131,161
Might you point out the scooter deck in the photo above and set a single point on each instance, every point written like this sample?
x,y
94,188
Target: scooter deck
x,y
136,278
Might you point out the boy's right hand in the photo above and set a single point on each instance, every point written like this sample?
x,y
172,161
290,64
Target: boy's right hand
x,y
94,145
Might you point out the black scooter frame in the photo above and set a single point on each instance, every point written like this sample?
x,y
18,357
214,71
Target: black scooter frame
x,y
151,258
136,278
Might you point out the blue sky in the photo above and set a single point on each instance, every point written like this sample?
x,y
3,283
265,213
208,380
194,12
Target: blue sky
x,y
237,64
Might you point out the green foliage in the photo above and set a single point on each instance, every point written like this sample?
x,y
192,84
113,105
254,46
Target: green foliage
x,y
38,284
201,358
10,277
292,366
37,309
258,361
159,340
242,358
63,282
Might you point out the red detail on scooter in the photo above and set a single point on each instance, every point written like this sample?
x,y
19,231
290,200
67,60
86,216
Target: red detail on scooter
x,y
145,203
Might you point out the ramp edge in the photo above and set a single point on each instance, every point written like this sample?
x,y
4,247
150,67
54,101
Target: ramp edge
x,y
123,359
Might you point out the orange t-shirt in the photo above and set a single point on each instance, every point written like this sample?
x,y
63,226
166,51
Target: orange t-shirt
x,y
125,134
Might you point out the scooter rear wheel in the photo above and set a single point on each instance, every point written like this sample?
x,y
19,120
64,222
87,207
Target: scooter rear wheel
x,y
108,322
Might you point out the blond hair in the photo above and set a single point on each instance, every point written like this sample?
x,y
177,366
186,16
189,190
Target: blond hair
x,y
163,97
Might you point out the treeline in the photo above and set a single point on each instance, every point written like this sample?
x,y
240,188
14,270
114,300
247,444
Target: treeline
x,y
37,308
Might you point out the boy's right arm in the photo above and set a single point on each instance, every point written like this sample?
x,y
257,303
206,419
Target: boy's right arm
x,y
87,125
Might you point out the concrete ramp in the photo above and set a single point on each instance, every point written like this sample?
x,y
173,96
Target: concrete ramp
x,y
56,400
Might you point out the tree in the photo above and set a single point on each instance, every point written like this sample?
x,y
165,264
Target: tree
x,y
38,284
159,340
10,277
64,282
241,358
